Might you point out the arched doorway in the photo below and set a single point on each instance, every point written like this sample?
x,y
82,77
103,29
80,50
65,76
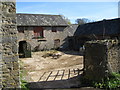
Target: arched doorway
x,y
24,49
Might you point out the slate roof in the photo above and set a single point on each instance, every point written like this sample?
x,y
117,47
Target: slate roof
x,y
71,29
40,20
104,27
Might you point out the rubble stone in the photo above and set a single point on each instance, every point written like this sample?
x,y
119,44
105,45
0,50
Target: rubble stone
x,y
9,66
101,58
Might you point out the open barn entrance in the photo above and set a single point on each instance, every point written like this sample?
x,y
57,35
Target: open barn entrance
x,y
24,49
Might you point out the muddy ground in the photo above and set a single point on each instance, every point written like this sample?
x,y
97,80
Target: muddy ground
x,y
49,72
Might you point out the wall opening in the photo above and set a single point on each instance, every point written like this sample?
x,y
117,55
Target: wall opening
x,y
56,43
70,40
54,29
24,49
38,32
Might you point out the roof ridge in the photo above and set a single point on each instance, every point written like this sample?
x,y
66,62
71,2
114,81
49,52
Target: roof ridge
x,y
102,21
37,14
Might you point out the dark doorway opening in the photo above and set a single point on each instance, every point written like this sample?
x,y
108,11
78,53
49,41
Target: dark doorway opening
x,y
70,41
57,43
24,49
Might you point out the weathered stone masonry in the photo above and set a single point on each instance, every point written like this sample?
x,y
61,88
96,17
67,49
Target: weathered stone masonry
x,y
9,67
101,59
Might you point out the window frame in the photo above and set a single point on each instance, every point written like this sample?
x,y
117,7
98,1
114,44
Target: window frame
x,y
20,29
54,29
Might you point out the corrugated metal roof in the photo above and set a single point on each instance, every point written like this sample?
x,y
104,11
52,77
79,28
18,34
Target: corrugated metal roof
x,y
40,20
105,27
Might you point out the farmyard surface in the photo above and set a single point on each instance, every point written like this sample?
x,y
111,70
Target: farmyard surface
x,y
48,72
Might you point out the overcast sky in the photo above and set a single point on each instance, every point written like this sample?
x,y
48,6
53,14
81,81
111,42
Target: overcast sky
x,y
72,10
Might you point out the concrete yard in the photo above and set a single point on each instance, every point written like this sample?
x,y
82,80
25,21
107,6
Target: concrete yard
x,y
48,72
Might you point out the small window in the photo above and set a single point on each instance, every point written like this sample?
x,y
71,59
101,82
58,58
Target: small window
x,y
21,29
54,29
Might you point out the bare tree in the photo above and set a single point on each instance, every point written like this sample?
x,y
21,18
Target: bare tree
x,y
83,21
67,20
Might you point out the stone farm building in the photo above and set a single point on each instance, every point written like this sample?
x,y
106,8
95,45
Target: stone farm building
x,y
71,29
105,29
41,32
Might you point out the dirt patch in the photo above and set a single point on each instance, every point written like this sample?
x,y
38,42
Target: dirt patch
x,y
42,68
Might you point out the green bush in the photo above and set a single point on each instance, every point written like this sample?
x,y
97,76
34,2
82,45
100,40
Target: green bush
x,y
110,82
24,85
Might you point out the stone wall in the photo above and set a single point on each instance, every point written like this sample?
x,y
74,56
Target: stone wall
x,y
101,58
114,57
9,67
44,43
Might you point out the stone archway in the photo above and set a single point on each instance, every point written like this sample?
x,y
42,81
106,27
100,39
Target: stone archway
x,y
24,49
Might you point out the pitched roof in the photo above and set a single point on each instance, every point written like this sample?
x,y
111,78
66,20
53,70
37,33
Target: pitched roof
x,y
40,20
105,27
71,29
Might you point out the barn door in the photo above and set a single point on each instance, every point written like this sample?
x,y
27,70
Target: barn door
x,y
38,32
56,43
24,49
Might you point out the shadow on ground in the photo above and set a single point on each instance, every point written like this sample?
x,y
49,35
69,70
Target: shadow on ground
x,y
60,80
80,53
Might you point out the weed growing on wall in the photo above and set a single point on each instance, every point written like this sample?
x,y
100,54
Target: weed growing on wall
x,y
23,72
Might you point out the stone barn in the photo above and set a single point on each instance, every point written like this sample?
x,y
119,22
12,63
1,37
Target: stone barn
x,y
105,29
40,32
70,30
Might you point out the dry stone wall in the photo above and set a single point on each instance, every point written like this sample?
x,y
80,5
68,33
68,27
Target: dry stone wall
x,y
102,57
9,66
